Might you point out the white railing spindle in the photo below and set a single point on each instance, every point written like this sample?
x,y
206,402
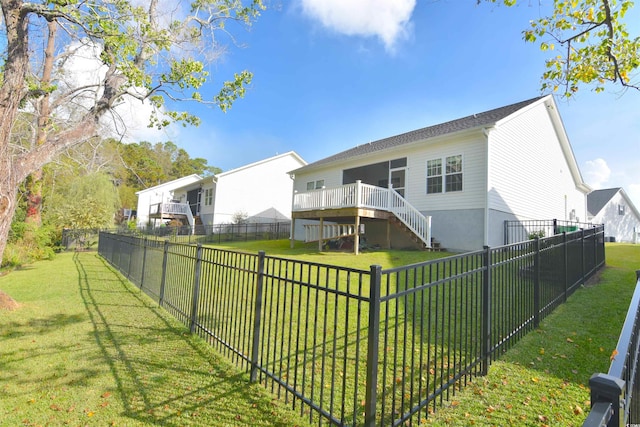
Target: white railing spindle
x,y
359,195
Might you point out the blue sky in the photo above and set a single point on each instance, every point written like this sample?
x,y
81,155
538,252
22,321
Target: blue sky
x,y
332,74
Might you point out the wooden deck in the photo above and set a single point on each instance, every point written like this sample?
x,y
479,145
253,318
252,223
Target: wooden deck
x,y
338,213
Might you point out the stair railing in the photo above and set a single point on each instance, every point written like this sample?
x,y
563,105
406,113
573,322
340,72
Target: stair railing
x,y
419,224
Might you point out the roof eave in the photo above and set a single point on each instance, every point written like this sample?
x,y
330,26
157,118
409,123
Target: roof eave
x,y
402,147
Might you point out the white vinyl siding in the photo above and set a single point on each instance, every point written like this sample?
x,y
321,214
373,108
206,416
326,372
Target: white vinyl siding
x,y
528,171
471,147
255,188
329,178
623,227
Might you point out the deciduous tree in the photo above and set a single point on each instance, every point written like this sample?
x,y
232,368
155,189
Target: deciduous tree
x,y
588,42
154,54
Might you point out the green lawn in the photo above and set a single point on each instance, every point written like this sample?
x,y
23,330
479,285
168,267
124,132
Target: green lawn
x,y
543,379
309,252
87,348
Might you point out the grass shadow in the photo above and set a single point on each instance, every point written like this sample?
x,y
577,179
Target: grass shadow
x,y
162,374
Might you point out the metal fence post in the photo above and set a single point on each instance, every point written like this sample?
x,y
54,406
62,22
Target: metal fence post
x,y
505,232
566,264
595,250
536,284
608,389
582,256
163,279
144,261
257,317
486,311
373,344
196,289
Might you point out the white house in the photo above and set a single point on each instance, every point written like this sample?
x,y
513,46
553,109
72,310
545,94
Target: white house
x,y
613,208
150,199
455,182
257,192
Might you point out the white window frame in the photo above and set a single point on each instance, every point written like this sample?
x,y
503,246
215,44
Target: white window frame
x,y
208,196
445,174
315,185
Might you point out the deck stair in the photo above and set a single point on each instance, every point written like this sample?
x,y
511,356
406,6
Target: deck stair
x,y
411,219
435,246
198,226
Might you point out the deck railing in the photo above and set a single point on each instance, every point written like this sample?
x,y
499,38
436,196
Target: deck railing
x,y
419,224
172,209
359,195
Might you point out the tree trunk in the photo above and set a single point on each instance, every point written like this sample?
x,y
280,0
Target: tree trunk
x,y
8,192
11,93
34,183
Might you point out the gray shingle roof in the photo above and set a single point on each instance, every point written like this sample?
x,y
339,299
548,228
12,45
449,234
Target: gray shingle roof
x,y
476,120
597,199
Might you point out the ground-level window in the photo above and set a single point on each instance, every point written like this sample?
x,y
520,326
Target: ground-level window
x,y
445,179
208,196
315,185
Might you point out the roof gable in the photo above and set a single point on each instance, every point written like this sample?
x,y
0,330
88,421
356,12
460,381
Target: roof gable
x,y
473,121
291,154
175,184
597,199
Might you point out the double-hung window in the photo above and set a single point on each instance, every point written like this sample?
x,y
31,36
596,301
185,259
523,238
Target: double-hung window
x,y
208,196
315,185
444,175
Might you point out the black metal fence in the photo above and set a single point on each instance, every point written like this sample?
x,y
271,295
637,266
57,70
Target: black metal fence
x,y
615,396
221,232
79,239
360,347
520,231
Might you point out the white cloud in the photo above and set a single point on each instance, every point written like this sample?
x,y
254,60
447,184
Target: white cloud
x,y
597,173
388,20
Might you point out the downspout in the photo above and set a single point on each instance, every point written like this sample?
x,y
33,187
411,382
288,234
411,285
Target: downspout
x,y
486,132
292,227
214,196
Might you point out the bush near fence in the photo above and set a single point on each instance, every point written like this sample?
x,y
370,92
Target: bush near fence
x,y
360,347
519,231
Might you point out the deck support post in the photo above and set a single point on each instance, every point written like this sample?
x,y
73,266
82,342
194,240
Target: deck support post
x,y
292,232
388,233
356,237
321,234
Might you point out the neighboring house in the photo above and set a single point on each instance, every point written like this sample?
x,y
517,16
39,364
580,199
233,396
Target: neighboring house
x,y
455,183
613,208
151,199
258,192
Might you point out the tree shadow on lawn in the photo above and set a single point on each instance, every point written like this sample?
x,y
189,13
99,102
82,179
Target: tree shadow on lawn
x,y
163,375
40,326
